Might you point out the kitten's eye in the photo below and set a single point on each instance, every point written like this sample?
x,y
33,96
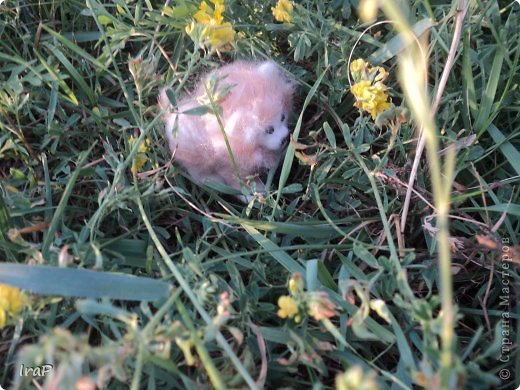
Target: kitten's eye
x,y
283,117
269,130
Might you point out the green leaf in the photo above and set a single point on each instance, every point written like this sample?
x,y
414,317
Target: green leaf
x,y
468,81
395,45
94,308
402,344
56,219
513,209
311,275
53,100
58,79
289,155
330,134
104,20
171,97
74,74
485,115
317,274
69,282
292,188
76,49
363,253
198,111
317,229
86,36
277,335
5,225
508,150
360,329
5,219
281,256
326,278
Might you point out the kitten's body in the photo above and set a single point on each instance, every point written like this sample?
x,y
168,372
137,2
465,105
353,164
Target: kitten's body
x,y
254,116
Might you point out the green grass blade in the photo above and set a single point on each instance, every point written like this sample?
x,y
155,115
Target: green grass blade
x,y
283,258
289,155
512,209
58,79
74,74
70,282
5,224
53,100
317,274
75,48
202,351
49,236
468,81
485,115
508,150
397,44
315,229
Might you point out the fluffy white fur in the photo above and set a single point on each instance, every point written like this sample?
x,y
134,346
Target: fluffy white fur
x,y
254,116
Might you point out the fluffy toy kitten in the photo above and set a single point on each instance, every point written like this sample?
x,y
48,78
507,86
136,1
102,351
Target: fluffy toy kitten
x,y
255,100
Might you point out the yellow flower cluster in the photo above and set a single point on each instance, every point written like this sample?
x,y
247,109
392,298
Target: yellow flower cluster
x,y
313,303
369,88
12,301
140,158
217,33
288,307
283,11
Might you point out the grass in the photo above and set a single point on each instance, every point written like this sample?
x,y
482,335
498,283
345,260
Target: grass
x,y
78,79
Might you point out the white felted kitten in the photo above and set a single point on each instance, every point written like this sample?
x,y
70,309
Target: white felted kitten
x,y
254,114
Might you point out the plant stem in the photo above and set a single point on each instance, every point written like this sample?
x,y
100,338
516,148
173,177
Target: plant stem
x,y
206,360
412,64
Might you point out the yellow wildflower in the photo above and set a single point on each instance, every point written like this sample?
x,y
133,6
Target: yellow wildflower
x,y
222,35
370,92
217,14
283,11
288,307
12,301
140,158
370,98
357,67
202,16
215,33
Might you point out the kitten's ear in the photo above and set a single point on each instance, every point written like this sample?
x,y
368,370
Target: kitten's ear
x,y
270,68
267,67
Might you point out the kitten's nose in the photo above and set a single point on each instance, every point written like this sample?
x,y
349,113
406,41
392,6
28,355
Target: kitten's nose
x,y
285,141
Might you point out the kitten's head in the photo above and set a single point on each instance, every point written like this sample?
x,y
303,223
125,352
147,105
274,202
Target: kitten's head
x,y
259,104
